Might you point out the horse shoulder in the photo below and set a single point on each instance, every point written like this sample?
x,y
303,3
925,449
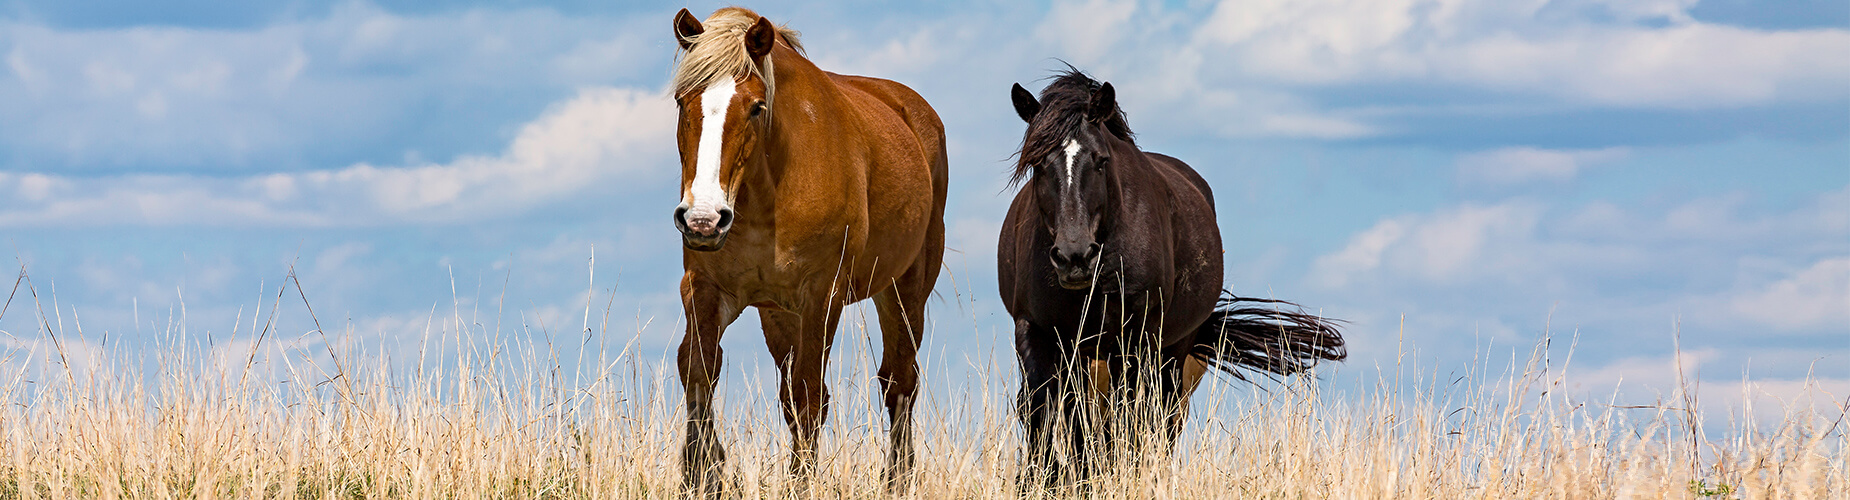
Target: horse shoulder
x,y
1145,225
1192,202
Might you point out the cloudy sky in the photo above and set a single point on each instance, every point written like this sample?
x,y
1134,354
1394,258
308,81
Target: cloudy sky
x,y
1466,176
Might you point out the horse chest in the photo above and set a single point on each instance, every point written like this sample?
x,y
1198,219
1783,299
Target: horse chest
x,y
1098,315
762,268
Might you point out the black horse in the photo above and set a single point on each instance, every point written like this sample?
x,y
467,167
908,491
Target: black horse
x,y
1111,256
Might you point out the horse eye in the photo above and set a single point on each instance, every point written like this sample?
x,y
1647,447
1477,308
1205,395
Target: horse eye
x,y
757,109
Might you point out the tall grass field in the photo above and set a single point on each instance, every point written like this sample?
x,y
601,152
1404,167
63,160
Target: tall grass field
x,y
490,404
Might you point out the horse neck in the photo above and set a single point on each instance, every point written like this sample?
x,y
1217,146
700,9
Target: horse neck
x,y
804,96
799,83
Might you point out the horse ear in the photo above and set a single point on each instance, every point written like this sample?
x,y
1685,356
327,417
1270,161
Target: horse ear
x,y
686,28
760,38
1025,105
1104,103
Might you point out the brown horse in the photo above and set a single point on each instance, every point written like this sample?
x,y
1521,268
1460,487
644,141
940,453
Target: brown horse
x,y
801,191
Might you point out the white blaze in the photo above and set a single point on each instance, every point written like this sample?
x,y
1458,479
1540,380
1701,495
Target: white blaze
x,y
1072,151
705,196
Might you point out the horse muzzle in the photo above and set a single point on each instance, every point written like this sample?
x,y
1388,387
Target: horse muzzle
x,y
1074,268
703,231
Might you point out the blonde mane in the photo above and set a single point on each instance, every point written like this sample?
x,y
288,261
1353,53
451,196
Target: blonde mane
x,y
720,51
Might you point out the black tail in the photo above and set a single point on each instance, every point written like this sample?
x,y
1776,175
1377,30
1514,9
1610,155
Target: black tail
x,y
1255,334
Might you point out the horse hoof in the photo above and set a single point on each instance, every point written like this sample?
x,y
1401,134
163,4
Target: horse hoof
x,y
898,479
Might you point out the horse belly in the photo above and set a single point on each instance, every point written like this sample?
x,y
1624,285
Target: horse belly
x,y
897,233
866,250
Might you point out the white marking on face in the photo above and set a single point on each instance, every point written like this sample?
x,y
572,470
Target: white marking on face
x,y
1072,151
705,195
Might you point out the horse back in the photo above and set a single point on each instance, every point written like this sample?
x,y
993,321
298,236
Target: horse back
x,y
882,95
1179,173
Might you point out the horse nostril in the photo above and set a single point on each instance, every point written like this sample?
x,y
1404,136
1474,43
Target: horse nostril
x,y
680,218
1066,258
725,218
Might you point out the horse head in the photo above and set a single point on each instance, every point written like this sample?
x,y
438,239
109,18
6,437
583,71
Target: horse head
x,y
723,87
1068,151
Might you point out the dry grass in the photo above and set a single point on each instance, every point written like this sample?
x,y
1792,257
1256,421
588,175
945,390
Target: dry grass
x,y
482,414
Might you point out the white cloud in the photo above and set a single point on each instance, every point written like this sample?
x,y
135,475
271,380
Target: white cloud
x,y
1777,400
1339,28
1287,68
1087,31
1464,243
1672,11
1523,241
605,139
1656,379
1518,47
603,134
1815,297
1687,66
900,56
1362,254
1322,127
1660,373
339,256
1518,165
163,98
1767,287
1454,243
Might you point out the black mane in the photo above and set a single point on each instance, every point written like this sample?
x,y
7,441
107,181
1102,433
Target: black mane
x,y
1063,110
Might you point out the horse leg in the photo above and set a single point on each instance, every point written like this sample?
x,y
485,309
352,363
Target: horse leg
x,y
1127,416
800,345
709,311
1081,414
1046,398
902,328
902,320
1182,374
1148,380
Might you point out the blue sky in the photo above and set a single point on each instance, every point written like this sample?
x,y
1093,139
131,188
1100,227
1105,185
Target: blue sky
x,y
1457,173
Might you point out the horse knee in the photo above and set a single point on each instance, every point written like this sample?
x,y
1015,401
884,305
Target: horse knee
x,y
804,399
699,362
900,381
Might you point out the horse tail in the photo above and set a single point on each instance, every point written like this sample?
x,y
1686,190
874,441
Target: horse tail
x,y
1255,334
